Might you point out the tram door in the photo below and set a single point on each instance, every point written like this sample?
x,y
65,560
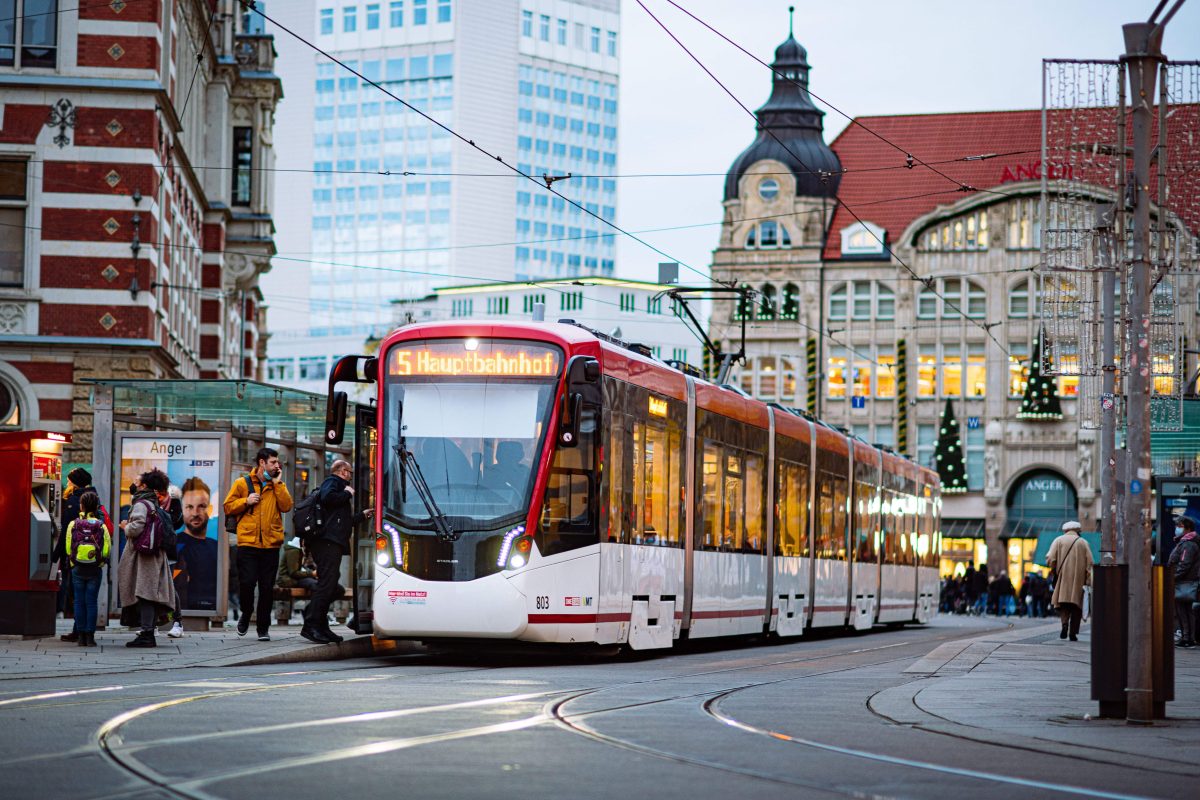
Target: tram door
x,y
362,566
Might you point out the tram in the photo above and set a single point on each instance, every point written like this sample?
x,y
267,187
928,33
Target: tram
x,y
546,483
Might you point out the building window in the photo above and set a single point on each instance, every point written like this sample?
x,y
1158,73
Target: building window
x,y
243,165
1024,300
312,368
862,300
544,27
790,310
281,369
327,21
966,233
836,376
1018,368
976,370
595,40
560,31
926,442
29,33
927,371
10,407
13,204
768,236
372,16
396,14
952,370
885,375
837,304
974,443
861,374
1024,224
420,12
527,24
953,291
612,43
885,302
350,19
443,11
927,304
766,302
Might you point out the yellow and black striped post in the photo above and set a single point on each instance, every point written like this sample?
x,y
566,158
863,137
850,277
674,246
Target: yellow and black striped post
x,y
902,397
810,360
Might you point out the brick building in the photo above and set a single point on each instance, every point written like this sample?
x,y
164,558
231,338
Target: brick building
x,y
135,200
840,327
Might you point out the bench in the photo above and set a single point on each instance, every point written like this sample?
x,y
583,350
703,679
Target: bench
x,y
285,600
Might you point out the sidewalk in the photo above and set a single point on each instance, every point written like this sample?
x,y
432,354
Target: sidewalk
x,y
1026,688
41,658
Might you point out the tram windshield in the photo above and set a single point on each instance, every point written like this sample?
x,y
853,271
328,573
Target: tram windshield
x,y
473,413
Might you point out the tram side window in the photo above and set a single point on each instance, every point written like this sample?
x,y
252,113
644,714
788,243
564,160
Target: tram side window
x,y
756,537
903,549
792,539
710,537
733,532
569,508
865,499
831,519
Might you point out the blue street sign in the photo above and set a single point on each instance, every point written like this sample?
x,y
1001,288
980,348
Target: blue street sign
x,y
858,401
972,423
1135,487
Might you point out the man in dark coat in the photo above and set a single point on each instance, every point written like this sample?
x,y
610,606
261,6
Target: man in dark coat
x,y
327,548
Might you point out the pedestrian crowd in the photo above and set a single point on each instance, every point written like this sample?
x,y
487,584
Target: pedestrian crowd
x,y
1061,593
153,539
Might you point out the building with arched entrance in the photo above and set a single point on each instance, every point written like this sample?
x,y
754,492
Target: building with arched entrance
x,y
888,281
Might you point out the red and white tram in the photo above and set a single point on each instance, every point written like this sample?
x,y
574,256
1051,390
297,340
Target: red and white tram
x,y
541,482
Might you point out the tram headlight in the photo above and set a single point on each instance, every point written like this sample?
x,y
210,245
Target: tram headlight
x,y
517,561
383,559
515,548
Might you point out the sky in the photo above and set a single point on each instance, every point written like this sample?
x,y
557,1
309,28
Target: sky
x,y
868,57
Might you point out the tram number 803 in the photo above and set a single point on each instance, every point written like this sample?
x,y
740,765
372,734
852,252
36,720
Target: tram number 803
x,y
543,601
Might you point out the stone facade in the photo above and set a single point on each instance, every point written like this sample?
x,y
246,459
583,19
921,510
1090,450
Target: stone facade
x,y
136,194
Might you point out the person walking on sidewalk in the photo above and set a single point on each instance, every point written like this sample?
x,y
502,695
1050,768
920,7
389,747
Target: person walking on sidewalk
x,y
144,577
88,542
331,542
1185,558
259,500
1070,559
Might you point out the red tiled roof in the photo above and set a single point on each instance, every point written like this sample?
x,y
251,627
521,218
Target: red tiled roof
x,y
892,198
874,193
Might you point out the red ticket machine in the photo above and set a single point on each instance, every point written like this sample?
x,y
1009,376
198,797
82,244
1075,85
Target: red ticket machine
x,y
31,466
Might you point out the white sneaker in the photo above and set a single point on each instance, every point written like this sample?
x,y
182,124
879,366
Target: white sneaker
x,y
176,631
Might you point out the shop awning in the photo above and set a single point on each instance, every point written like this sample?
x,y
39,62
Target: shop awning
x,y
1047,539
955,528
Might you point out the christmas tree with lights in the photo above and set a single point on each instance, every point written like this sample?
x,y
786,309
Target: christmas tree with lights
x,y
949,458
1040,401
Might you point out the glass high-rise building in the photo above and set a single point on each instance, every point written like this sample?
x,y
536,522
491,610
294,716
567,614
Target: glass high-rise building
x,y
394,205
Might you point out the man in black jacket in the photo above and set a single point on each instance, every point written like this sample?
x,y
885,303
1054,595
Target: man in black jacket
x,y
328,547
79,482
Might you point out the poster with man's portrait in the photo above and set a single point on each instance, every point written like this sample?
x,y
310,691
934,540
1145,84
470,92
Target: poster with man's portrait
x,y
194,463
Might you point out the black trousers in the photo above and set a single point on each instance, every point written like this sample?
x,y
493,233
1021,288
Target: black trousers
x,y
1071,615
328,558
257,567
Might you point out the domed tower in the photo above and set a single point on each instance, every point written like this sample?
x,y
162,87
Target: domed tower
x,y
779,196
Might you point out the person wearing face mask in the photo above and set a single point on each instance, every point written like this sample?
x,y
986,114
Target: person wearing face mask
x,y
259,500
1185,559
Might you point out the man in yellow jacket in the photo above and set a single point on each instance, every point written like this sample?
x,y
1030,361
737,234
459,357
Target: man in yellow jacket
x,y
259,501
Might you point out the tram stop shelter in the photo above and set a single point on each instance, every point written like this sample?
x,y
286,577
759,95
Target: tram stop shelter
x,y
204,434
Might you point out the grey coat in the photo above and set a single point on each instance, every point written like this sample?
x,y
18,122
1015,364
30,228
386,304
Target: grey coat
x,y
142,576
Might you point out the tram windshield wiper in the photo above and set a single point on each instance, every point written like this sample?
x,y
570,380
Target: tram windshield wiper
x,y
408,462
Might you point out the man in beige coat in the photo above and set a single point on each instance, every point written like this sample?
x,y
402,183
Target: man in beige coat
x,y
1070,560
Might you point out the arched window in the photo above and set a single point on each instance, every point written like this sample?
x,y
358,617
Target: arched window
x,y
976,300
785,239
10,407
791,302
837,303
766,302
768,234
745,303
752,239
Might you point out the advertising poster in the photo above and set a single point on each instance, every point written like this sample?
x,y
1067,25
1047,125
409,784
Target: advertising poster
x,y
194,466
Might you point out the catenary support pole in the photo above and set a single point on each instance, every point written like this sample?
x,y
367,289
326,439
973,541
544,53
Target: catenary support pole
x,y
1143,53
1108,413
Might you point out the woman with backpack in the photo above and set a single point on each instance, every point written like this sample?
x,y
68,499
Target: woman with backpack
x,y
88,542
144,577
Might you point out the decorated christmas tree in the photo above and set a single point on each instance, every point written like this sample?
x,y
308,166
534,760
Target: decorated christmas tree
x,y
1040,401
949,458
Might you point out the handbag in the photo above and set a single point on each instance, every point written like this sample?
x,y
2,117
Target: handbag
x,y
1185,591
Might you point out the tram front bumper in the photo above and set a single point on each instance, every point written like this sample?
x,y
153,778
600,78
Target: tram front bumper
x,y
488,607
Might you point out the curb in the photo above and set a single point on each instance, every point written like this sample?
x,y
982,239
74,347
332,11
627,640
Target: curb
x,y
358,647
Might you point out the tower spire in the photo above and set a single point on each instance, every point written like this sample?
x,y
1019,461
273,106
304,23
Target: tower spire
x,y
791,19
